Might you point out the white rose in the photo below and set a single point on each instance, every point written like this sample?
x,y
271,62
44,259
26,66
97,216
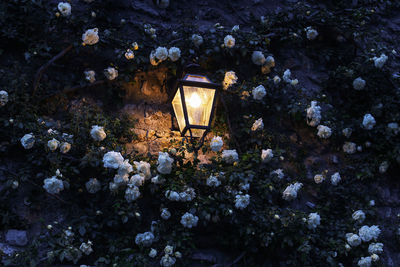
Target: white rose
x,y
65,147
112,160
259,92
230,156
258,125
91,37
164,164
229,79
161,53
368,122
359,83
258,58
174,53
53,185
3,98
93,186
266,155
27,141
64,8
90,75
53,144
216,143
111,73
229,41
197,40
98,133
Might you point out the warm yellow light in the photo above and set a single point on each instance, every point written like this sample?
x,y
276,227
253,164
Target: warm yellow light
x,y
194,101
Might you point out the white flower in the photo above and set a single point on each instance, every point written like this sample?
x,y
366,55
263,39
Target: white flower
x,y
267,155
64,8
137,180
53,144
113,187
353,239
347,132
216,143
213,181
242,201
230,156
291,191
383,167
368,233
112,160
65,147
335,178
132,193
188,195
90,75
144,239
3,98
359,83
313,114
90,37
197,40
229,79
53,185
368,122
165,214
188,220
375,248
324,131
164,163
380,61
161,53
349,147
358,216
111,73
279,173
125,168
167,261
93,186
311,33
86,247
172,195
258,58
229,41
153,59
259,92
143,168
313,220
174,53
374,257
319,178
393,128
365,262
129,54
258,125
98,133
235,28
152,253
169,250
286,76
277,79
27,141
178,254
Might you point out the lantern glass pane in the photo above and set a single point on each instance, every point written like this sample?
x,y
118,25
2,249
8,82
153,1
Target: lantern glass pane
x,y
199,102
178,109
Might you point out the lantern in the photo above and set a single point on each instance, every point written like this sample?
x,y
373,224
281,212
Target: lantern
x,y
194,104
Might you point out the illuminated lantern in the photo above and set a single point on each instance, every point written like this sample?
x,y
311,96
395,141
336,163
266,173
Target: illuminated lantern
x,y
194,104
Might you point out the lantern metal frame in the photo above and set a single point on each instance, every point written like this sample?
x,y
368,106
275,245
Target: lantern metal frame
x,y
194,69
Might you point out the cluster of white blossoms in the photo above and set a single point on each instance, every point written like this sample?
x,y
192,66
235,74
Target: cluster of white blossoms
x,y
375,248
165,214
258,125
188,194
189,220
311,33
91,37
28,140
132,193
335,178
353,239
213,181
143,168
162,53
90,76
367,233
242,201
259,92
313,220
358,216
93,186
229,79
229,41
267,155
169,257
313,114
349,148
145,239
86,248
197,40
291,191
380,61
97,133
111,73
287,78
359,83
53,185
64,8
324,131
149,30
3,98
112,160
319,178
230,156
164,163
216,143
368,122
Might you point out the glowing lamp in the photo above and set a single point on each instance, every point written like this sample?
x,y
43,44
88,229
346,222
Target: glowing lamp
x,y
194,104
